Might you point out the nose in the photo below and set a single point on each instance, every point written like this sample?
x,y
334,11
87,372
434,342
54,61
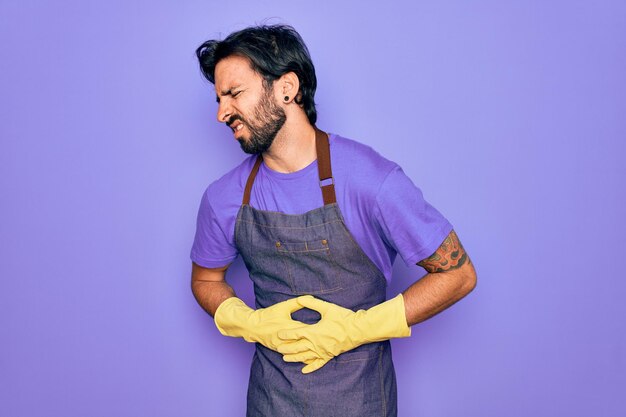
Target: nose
x,y
224,111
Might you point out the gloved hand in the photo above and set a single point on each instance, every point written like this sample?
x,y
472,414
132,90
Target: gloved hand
x,y
234,318
340,330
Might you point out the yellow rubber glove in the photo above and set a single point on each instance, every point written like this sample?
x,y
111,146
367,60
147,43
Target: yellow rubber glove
x,y
234,318
340,330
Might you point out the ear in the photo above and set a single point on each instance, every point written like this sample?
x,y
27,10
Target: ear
x,y
287,87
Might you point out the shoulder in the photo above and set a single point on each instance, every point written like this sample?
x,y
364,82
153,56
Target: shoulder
x,y
358,164
350,148
227,191
236,177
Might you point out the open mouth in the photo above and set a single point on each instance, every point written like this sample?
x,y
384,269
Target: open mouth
x,y
236,126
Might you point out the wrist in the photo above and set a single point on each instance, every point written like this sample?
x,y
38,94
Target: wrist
x,y
389,319
231,316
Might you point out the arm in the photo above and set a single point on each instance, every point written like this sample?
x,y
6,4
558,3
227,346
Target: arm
x,y
451,276
209,287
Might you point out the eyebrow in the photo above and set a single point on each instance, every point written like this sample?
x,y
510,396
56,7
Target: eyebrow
x,y
228,92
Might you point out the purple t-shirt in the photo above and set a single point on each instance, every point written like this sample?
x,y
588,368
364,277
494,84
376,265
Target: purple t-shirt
x,y
382,208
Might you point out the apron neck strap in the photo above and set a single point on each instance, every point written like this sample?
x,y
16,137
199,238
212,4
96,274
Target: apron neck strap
x,y
251,177
327,182
322,146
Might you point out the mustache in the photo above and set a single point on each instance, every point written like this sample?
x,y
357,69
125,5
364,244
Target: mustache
x,y
234,118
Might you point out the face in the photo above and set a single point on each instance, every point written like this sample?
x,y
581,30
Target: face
x,y
246,105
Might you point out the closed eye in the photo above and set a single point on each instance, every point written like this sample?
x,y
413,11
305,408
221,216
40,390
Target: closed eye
x,y
229,93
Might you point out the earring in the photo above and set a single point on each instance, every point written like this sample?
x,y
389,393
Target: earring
x,y
286,99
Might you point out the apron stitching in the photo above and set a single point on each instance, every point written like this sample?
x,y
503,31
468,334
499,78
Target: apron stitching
x,y
286,215
336,359
382,385
292,283
330,291
300,251
290,227
237,243
370,264
285,255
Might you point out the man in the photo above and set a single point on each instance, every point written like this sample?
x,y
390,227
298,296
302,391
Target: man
x,y
318,238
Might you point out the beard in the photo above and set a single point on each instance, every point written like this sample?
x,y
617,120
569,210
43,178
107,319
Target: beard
x,y
269,118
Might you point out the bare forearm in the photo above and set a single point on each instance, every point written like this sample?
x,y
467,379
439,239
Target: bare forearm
x,y
211,294
451,277
434,293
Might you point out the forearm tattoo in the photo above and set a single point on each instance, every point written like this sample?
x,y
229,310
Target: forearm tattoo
x,y
449,256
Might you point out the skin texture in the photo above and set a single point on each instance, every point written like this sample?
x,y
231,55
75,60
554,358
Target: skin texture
x,y
209,287
449,256
239,90
264,123
451,276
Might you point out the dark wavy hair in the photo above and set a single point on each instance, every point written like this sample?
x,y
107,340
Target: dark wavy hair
x,y
273,50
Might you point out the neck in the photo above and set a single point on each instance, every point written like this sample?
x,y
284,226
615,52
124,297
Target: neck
x,y
293,149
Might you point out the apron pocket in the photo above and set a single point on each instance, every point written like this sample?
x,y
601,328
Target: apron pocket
x,y
310,266
360,378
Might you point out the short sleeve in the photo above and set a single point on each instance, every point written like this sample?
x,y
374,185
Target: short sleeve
x,y
413,227
211,247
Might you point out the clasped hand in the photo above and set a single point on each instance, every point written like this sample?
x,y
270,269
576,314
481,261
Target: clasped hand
x,y
316,344
340,330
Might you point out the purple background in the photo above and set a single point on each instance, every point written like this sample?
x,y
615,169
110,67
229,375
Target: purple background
x,y
509,115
